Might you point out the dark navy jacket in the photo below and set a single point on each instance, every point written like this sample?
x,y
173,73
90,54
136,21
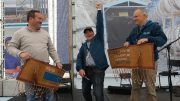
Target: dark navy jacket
x,y
96,48
153,32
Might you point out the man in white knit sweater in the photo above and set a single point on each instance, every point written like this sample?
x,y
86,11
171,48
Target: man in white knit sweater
x,y
34,42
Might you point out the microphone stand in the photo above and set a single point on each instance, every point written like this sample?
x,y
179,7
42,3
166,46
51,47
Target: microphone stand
x,y
168,47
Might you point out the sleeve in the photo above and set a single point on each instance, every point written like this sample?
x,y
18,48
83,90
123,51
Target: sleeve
x,y
159,38
13,46
79,62
52,52
100,26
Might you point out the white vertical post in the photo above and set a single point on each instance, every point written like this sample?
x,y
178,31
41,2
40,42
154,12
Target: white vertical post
x,y
52,22
2,73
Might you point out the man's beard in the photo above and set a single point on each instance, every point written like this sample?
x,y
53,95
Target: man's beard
x,y
38,27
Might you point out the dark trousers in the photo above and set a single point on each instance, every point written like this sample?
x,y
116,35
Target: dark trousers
x,y
96,78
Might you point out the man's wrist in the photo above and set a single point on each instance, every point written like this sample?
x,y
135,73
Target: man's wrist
x,y
57,61
81,69
19,53
147,39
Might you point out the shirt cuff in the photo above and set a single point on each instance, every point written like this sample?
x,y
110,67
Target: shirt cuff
x,y
19,53
57,61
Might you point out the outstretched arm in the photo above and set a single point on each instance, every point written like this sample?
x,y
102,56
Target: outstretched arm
x,y
99,24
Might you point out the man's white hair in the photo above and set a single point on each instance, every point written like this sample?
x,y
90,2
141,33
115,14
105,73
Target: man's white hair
x,y
144,11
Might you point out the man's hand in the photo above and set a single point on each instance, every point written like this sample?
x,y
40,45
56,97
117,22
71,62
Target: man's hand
x,y
25,56
82,73
98,6
59,65
126,44
141,41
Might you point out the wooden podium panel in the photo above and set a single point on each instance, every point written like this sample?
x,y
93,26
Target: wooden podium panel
x,y
41,74
134,56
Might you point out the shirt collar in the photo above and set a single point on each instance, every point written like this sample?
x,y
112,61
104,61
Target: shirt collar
x,y
141,27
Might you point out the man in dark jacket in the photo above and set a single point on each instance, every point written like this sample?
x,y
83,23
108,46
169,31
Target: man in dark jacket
x,y
92,61
145,32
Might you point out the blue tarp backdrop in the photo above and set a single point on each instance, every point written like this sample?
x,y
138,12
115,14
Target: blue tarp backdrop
x,y
63,30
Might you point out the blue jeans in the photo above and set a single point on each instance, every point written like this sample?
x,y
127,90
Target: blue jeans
x,y
30,95
96,78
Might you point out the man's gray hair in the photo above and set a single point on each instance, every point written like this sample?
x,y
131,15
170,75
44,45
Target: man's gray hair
x,y
144,11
